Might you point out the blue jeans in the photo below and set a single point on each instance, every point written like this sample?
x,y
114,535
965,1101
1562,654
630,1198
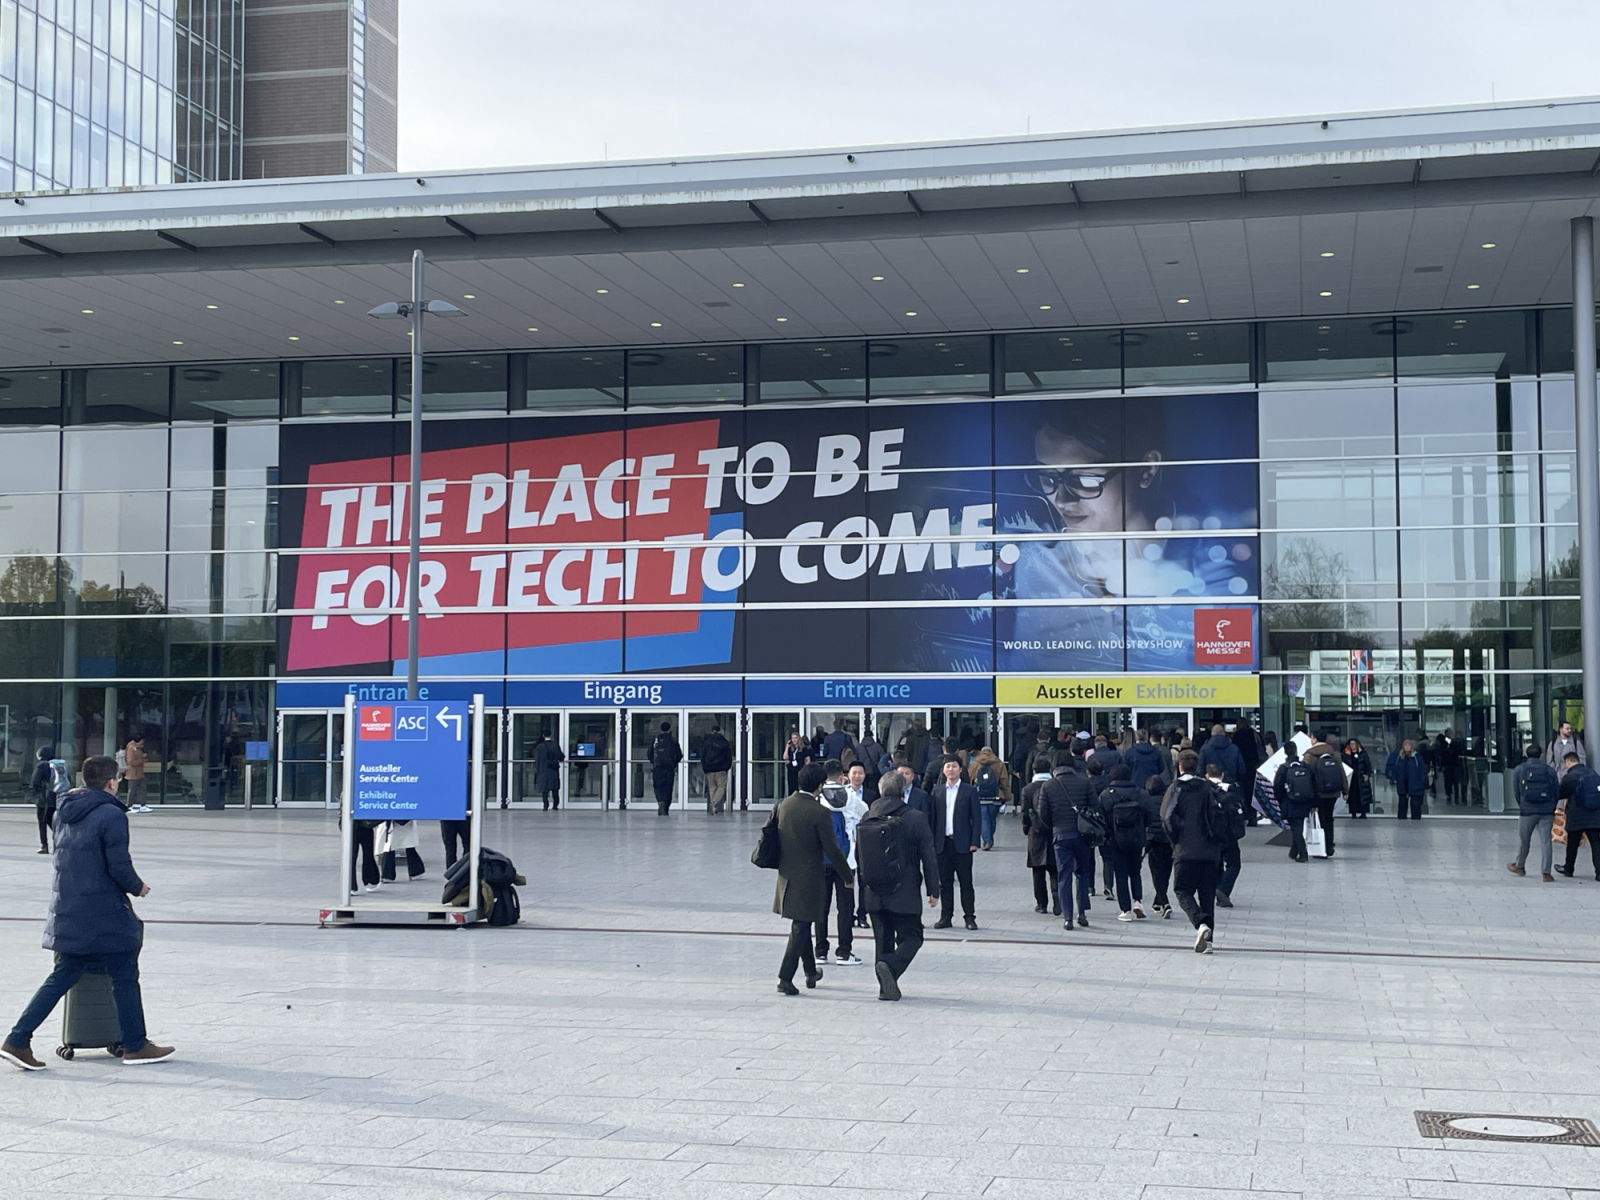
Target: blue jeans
x,y
124,971
988,817
1073,856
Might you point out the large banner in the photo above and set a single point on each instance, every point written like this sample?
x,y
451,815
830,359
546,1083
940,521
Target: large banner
x,y
969,537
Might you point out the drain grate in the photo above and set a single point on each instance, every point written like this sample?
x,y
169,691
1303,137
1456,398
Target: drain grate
x,y
1507,1127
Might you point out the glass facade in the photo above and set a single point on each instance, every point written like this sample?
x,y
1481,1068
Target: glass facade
x,y
1386,505
119,93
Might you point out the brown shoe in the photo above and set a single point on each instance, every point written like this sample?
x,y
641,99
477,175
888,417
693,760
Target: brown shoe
x,y
148,1053
1548,878
1516,870
20,1056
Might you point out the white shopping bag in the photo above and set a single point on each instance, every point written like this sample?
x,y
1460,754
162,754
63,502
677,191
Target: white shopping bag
x,y
1316,840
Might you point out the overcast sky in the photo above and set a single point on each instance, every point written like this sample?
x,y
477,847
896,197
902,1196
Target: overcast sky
x,y
507,82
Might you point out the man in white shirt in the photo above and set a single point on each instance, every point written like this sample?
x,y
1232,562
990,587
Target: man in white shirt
x,y
962,833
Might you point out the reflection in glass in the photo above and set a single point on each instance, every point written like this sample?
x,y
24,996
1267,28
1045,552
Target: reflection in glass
x,y
575,379
1082,360
455,383
814,371
1186,356
346,386
1483,344
930,366
30,398
686,375
1328,349
236,390
1327,423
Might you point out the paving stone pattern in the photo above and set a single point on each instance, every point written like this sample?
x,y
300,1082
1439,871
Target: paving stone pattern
x,y
627,1040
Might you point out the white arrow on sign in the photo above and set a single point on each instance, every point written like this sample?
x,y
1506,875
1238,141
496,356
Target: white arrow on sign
x,y
445,716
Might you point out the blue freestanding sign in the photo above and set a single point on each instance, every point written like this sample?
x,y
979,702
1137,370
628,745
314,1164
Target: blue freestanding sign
x,y
410,761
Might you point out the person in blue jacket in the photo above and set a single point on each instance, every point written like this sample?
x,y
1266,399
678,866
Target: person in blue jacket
x,y
1409,773
91,925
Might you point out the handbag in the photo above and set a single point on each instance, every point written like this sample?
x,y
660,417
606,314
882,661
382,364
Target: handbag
x,y
768,848
1558,826
1316,839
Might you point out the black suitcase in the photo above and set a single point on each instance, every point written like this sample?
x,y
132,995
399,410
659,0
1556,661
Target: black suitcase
x,y
89,1020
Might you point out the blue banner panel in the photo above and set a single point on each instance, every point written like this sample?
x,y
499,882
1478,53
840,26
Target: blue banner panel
x,y
847,692
330,693
410,761
640,692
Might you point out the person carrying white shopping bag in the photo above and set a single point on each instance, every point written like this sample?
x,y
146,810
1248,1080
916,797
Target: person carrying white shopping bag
x,y
1316,838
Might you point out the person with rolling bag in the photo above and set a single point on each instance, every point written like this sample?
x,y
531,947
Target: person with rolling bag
x,y
896,863
92,927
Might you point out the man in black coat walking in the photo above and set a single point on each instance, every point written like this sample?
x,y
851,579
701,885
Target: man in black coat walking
x,y
547,760
665,755
91,925
716,758
1191,815
895,910
1060,798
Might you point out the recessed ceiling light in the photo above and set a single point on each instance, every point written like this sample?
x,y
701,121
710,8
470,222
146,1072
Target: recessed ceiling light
x,y
911,314
1044,308
1488,245
469,296
1326,254
533,329
1183,300
211,306
293,338
1472,287
655,324
877,279
1022,270
738,285
602,291
177,343
1324,293
782,318
88,312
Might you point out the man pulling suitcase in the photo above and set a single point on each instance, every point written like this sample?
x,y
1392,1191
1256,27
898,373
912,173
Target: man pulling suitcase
x,y
91,926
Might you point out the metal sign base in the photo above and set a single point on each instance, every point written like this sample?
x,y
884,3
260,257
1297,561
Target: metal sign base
x,y
367,914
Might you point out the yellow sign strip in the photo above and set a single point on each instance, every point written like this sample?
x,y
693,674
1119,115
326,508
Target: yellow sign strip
x,y
1131,691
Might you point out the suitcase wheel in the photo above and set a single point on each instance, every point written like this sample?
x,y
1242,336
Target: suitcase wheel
x,y
65,1052
115,1049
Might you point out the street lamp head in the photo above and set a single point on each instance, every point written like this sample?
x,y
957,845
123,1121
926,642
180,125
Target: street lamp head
x,y
391,311
442,308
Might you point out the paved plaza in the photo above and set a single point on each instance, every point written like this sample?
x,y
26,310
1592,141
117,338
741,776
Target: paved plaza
x,y
627,1040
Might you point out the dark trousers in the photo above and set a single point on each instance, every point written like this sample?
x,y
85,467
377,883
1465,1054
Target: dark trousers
x,y
1108,873
414,865
1196,886
1044,888
955,865
1159,855
1124,865
1414,803
663,788
124,971
897,937
1074,857
846,906
361,849
1573,836
1230,869
797,951
552,795
455,833
47,818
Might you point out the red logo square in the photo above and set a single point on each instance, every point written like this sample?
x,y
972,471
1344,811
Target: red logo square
x,y
1224,637
377,722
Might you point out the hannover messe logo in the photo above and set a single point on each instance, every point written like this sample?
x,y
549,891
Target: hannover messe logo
x,y
1224,637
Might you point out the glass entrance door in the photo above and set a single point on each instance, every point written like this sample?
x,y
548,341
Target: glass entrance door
x,y
310,757
891,725
527,730
1163,722
1113,722
768,754
590,741
1019,730
969,728
700,725
644,726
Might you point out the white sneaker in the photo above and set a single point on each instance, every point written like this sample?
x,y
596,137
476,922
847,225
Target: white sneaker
x,y
1125,916
144,808
372,887
847,960
1202,940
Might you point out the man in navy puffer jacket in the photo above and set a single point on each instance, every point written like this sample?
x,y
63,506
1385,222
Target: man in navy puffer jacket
x,y
91,926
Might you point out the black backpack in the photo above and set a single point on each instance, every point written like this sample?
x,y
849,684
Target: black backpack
x,y
1233,812
1127,820
507,908
1329,774
1299,783
1589,792
988,782
880,853
1539,785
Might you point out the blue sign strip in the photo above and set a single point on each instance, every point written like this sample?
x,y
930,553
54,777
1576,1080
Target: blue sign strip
x,y
410,761
850,692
